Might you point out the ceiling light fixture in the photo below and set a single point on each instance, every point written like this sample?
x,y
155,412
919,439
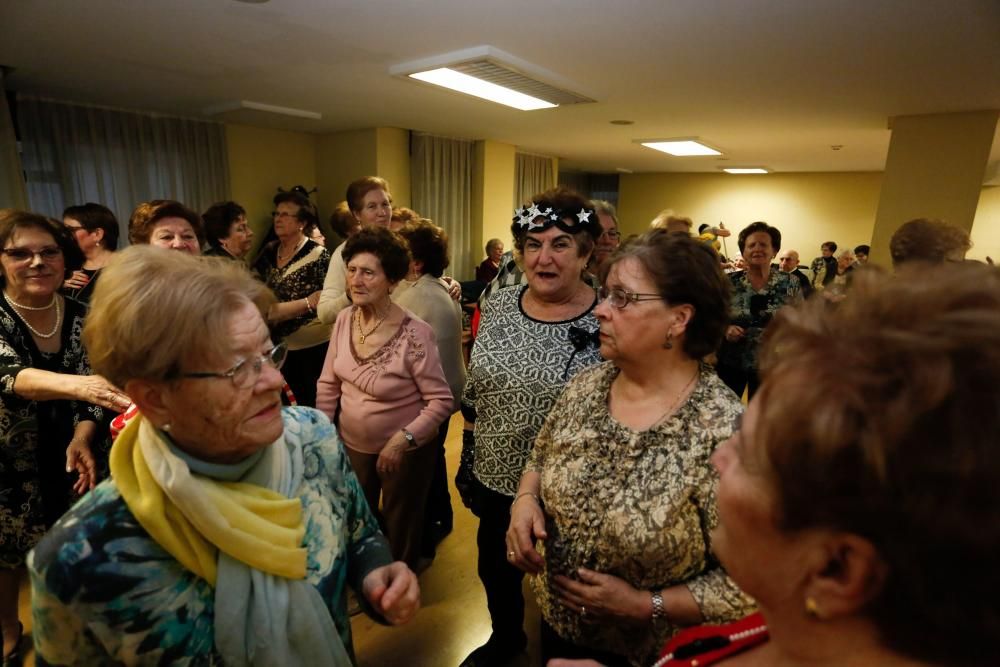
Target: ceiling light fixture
x,y
494,75
679,147
238,105
746,170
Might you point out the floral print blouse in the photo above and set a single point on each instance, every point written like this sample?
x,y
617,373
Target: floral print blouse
x,y
302,276
753,310
638,505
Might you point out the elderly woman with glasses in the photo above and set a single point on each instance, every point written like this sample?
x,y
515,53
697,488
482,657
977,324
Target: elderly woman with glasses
x,y
293,267
230,526
49,402
613,510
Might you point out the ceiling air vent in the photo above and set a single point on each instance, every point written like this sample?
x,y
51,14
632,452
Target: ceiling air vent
x,y
504,76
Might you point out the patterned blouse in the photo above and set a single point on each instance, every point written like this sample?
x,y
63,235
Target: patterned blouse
x,y
518,368
753,310
638,505
104,592
34,488
302,276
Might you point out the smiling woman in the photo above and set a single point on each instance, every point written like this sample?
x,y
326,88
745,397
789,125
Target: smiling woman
x,y
197,549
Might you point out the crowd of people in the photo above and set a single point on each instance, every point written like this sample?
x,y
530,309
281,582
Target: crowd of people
x,y
204,451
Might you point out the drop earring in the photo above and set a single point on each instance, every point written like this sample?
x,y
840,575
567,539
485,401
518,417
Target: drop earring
x,y
669,343
812,608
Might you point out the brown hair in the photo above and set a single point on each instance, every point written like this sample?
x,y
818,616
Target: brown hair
x,y
684,271
342,222
357,190
568,201
761,226
12,220
428,244
147,214
92,217
154,312
927,240
904,453
388,246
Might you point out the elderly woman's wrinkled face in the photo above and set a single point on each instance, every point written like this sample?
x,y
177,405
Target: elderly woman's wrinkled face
x,y
747,533
845,260
552,263
376,208
214,420
33,264
758,250
175,234
240,238
608,241
640,327
367,281
495,253
286,220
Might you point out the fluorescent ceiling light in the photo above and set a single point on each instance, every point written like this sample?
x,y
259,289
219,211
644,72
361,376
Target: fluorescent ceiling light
x,y
470,85
681,147
746,170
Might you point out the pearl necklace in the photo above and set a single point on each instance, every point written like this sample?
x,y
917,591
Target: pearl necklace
x,y
23,307
361,333
706,644
55,329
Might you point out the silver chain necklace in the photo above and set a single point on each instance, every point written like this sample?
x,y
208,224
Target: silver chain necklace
x,y
55,329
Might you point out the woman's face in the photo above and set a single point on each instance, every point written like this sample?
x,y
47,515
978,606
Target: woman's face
x,y
175,234
367,281
844,261
496,252
211,418
638,329
240,237
552,263
758,251
85,239
287,225
33,264
747,533
376,208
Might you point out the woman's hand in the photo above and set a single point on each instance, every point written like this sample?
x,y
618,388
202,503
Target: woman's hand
x,y
454,287
390,459
603,596
527,524
80,459
734,333
78,280
97,390
392,590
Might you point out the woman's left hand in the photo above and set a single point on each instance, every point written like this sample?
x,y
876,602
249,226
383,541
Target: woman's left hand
x,y
390,459
602,596
454,287
80,459
393,591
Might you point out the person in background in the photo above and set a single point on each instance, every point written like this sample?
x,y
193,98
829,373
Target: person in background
x,y
836,291
343,223
788,261
167,224
867,526
294,267
671,222
532,340
487,269
400,216
759,292
227,230
824,267
230,527
861,253
610,236
316,236
370,203
50,404
618,493
710,235
424,295
383,385
928,241
95,229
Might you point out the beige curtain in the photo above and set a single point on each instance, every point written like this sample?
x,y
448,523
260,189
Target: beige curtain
x,y
73,154
532,174
13,194
441,189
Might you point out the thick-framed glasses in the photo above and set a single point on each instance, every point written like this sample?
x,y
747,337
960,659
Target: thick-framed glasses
x,y
245,373
619,298
22,255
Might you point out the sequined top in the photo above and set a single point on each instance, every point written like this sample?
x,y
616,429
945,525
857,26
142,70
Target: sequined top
x,y
638,505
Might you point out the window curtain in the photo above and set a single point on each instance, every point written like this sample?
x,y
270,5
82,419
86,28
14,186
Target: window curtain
x,y
13,193
74,154
532,174
441,186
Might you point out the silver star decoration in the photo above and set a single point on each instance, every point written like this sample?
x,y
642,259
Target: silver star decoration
x,y
583,215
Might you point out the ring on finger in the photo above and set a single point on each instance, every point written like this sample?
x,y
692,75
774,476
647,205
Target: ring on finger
x,y
583,610
510,555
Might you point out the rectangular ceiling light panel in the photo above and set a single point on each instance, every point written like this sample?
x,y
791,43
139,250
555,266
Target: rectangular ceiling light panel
x,y
746,170
685,148
470,85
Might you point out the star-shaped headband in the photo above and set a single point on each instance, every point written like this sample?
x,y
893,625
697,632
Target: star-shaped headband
x,y
531,218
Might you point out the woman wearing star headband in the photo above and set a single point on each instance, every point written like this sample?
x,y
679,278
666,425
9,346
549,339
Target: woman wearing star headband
x,y
531,341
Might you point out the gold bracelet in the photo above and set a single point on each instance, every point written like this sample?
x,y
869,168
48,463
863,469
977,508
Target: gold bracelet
x,y
521,495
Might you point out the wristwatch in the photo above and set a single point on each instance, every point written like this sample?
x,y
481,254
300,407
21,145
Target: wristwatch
x,y
658,610
411,442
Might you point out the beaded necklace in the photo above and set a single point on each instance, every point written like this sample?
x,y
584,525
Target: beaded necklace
x,y
55,329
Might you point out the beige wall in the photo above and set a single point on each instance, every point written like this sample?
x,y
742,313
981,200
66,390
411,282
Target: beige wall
x,y
492,193
808,208
261,160
986,227
341,158
392,162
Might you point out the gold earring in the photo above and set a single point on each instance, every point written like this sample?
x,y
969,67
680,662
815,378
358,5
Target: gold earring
x,y
812,608
669,343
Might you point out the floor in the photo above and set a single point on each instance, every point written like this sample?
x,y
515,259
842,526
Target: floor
x,y
453,618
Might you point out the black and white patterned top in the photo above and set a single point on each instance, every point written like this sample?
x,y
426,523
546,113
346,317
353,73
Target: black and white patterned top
x,y
517,370
302,276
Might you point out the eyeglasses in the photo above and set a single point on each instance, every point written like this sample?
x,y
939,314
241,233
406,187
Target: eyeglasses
x,y
74,228
283,214
245,374
619,298
612,234
21,255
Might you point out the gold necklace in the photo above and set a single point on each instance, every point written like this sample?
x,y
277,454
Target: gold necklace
x,y
361,333
33,330
677,399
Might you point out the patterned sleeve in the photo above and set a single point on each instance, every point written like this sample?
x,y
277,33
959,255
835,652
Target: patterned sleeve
x,y
11,364
83,411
